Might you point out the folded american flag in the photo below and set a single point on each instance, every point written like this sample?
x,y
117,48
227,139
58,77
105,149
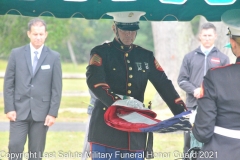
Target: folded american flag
x,y
130,116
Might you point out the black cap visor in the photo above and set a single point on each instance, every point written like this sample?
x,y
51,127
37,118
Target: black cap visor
x,y
127,26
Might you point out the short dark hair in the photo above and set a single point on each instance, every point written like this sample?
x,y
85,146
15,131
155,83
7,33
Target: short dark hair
x,y
37,22
208,26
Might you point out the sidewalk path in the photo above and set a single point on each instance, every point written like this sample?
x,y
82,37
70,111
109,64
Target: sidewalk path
x,y
64,75
58,126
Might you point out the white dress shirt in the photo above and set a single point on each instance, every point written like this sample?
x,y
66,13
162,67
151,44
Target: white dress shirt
x,y
32,49
206,50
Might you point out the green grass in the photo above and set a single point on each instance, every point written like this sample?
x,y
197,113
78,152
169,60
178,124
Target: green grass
x,y
2,115
71,68
3,65
66,144
74,85
1,84
66,67
70,116
75,102
149,93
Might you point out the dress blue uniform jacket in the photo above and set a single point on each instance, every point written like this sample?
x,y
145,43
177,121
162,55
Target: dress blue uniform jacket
x,y
219,106
115,69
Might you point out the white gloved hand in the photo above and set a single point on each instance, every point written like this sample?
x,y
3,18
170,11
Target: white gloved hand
x,y
197,92
132,103
192,116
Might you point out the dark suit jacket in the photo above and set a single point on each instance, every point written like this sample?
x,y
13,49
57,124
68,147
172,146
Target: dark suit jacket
x,y
38,92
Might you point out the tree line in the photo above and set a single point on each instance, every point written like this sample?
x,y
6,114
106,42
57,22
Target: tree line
x,y
73,38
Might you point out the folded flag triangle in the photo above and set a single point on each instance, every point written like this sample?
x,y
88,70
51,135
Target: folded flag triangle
x,y
130,115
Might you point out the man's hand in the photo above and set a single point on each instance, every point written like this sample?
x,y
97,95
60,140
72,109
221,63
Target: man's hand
x,y
12,115
49,121
197,93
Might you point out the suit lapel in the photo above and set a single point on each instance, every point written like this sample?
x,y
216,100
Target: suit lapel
x,y
41,59
28,58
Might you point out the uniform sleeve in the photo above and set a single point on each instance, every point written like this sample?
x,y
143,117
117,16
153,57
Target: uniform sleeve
x,y
165,88
226,61
184,76
9,81
92,99
96,80
207,110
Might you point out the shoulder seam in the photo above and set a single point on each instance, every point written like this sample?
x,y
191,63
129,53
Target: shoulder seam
x,y
139,47
221,67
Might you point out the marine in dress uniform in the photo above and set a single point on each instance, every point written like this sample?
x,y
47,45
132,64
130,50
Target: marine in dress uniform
x,y
217,120
117,70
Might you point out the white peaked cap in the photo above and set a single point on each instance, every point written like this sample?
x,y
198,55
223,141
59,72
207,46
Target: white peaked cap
x,y
126,16
232,19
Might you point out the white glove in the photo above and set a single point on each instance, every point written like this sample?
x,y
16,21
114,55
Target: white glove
x,y
192,116
132,103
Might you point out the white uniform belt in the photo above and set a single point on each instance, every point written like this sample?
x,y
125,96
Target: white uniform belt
x,y
124,96
227,132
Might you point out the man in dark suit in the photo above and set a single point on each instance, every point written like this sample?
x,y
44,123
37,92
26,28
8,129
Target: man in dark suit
x,y
32,92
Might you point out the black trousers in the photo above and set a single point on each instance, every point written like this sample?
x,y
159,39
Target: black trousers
x,y
19,131
187,137
187,141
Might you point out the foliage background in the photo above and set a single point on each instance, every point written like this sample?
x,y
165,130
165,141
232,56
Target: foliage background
x,y
81,33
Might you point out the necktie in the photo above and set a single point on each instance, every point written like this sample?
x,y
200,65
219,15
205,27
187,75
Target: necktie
x,y
35,60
